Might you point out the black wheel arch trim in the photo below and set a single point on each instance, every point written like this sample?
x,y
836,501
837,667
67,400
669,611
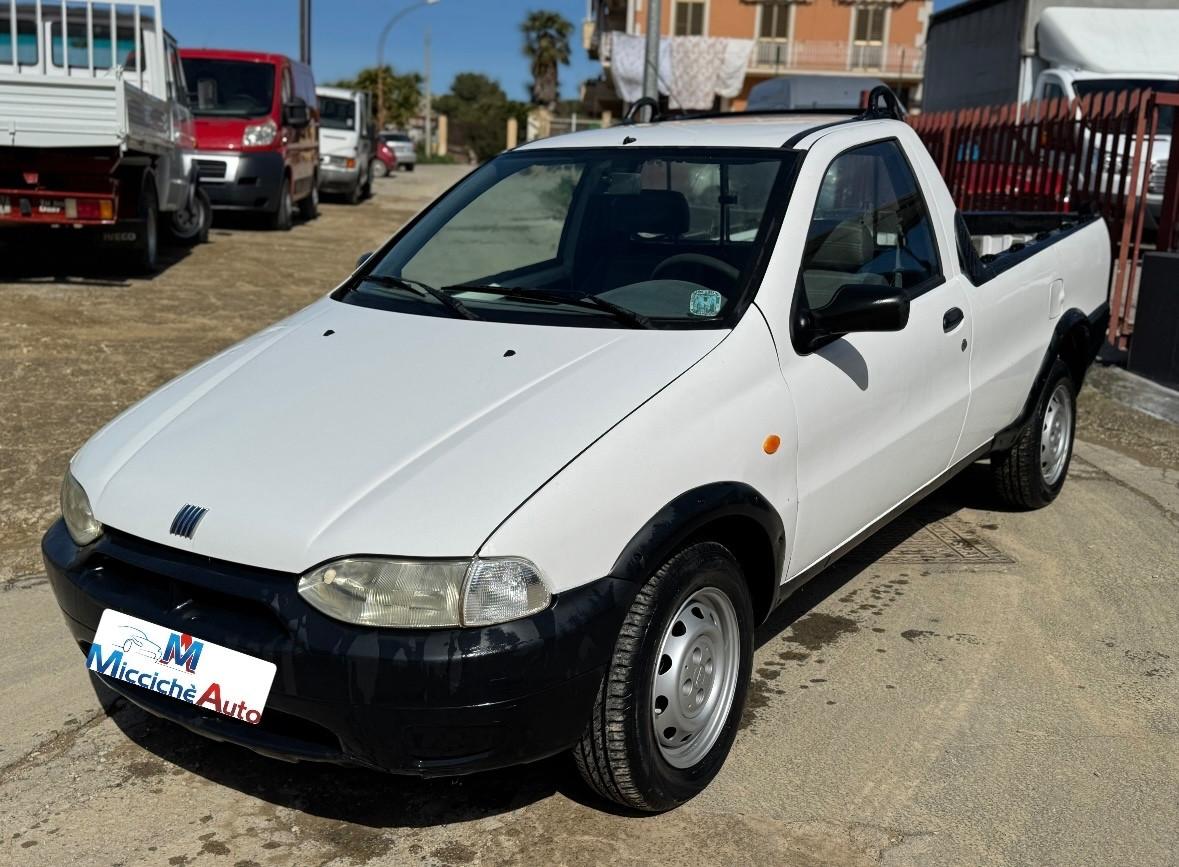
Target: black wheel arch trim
x,y
677,522
1090,330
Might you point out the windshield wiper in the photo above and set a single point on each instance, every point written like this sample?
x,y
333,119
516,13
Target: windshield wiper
x,y
458,308
622,314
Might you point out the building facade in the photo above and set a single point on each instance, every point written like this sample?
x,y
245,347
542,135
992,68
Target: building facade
x,y
879,39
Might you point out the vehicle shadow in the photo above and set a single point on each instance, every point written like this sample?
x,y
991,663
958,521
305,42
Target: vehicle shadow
x,y
40,260
378,800
354,795
970,489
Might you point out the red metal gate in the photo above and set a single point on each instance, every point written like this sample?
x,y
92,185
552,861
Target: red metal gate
x,y
1093,154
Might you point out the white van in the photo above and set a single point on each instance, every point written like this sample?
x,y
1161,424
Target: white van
x,y
347,150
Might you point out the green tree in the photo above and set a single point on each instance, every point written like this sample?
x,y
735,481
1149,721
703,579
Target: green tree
x,y
479,110
546,45
403,93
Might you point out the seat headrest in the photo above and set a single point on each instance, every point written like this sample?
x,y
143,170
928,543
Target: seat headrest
x,y
653,212
845,248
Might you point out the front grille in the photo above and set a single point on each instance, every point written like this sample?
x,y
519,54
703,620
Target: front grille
x,y
1158,176
210,168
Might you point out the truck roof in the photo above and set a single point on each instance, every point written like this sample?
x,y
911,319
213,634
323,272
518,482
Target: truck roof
x,y
727,131
338,92
232,54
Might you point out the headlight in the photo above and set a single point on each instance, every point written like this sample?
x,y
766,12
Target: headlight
x,y
75,508
425,594
259,134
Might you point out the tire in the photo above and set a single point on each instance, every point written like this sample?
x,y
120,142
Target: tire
x,y
1032,472
352,197
190,226
385,171
366,192
280,220
146,257
409,167
624,755
309,204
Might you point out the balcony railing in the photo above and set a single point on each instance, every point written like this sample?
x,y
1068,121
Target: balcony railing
x,y
822,56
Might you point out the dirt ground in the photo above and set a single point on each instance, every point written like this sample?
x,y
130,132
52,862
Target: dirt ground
x,y
973,686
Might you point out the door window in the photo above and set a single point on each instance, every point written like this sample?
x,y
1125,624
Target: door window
x,y
870,226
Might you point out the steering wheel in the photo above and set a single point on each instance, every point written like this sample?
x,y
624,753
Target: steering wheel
x,y
696,260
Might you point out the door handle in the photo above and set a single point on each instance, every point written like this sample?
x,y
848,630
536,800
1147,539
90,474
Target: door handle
x,y
951,319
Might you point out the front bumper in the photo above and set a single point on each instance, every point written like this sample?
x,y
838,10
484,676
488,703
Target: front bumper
x,y
337,179
241,181
423,702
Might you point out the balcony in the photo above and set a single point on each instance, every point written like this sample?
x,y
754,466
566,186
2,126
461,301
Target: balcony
x,y
892,61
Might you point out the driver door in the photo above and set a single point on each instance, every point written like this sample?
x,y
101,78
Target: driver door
x,y
878,414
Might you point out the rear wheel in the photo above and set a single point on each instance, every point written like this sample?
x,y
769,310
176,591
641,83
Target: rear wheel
x,y
1031,474
409,167
146,257
280,220
667,712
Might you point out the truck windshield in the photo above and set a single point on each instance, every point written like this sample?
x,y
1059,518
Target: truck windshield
x,y
1087,86
229,88
336,113
603,237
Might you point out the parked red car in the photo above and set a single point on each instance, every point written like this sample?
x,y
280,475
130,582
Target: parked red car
x,y
386,158
257,131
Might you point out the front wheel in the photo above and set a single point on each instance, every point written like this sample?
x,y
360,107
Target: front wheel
x,y
1032,472
190,225
667,712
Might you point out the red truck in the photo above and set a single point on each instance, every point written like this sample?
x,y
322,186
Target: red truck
x,y
257,132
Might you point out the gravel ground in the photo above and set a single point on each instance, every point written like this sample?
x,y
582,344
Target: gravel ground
x,y
972,686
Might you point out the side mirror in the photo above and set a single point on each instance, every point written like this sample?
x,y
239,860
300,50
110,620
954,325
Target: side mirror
x,y
854,307
363,257
295,113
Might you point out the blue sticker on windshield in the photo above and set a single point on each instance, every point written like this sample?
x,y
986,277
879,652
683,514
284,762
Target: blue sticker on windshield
x,y
705,302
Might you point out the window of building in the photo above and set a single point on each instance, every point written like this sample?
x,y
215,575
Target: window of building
x,y
775,21
869,25
689,18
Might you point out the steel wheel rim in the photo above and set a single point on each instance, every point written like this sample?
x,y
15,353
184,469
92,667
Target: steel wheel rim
x,y
695,677
187,220
1056,434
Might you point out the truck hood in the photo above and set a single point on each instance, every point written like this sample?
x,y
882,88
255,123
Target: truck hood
x,y
337,142
346,430
222,133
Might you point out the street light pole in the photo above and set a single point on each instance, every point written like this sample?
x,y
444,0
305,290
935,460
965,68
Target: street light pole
x,y
381,56
651,60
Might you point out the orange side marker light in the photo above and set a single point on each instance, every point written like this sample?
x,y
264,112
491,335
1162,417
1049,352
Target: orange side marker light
x,y
771,444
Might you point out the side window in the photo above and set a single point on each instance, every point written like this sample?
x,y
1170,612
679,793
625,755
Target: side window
x,y
287,88
870,226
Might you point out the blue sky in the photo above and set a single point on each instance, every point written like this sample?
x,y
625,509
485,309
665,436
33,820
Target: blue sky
x,y
468,35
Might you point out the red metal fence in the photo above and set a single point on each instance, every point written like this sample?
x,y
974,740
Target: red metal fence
x,y
1093,154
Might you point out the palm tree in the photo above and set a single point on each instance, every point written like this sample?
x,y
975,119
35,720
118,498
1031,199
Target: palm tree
x,y
546,45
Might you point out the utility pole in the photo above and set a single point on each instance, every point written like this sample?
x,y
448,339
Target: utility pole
x,y
305,31
651,65
429,103
381,56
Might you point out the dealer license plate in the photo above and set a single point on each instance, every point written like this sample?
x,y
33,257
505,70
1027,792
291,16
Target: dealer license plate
x,y
180,666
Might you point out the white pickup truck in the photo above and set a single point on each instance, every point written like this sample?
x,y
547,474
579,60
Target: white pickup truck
x,y
528,480
95,130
